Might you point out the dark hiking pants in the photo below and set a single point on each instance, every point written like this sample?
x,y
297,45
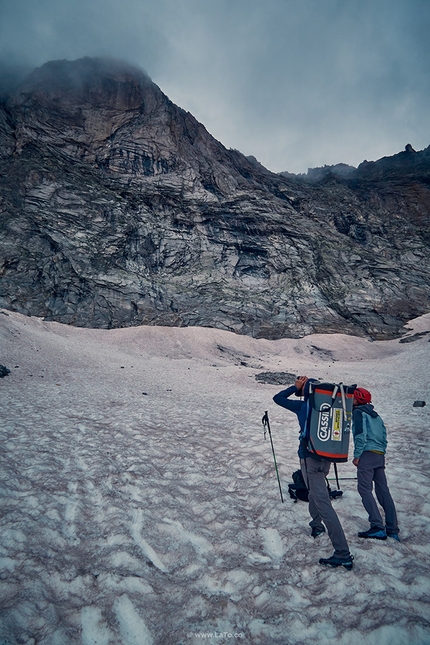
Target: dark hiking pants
x,y
314,473
371,469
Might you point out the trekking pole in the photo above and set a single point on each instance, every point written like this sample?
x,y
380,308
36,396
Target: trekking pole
x,y
266,424
336,475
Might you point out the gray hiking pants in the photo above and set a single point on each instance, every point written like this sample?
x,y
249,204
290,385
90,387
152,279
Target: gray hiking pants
x,y
371,468
314,473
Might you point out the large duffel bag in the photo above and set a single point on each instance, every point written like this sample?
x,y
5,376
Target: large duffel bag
x,y
328,426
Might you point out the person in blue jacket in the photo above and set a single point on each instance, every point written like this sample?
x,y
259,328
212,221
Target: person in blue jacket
x,y
370,443
315,471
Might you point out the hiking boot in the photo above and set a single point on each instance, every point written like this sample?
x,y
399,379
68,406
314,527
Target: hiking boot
x,y
317,531
334,561
393,535
374,533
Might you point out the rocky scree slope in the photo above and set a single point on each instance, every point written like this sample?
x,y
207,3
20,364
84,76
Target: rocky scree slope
x,y
118,208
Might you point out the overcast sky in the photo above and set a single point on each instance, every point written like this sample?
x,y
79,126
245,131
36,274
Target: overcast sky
x,y
296,83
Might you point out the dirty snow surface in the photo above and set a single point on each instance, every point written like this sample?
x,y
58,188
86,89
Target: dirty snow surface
x,y
139,501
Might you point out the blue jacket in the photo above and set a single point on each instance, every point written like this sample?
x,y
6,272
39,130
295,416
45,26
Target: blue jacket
x,y
300,408
368,430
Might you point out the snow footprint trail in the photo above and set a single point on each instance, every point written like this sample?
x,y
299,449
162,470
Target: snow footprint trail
x,y
94,630
200,544
273,544
158,517
70,513
147,550
132,627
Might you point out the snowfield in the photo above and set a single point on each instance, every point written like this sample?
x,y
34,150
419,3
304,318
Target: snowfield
x,y
140,506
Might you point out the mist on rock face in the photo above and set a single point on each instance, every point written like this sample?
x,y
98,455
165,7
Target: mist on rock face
x,y
120,209
10,77
295,84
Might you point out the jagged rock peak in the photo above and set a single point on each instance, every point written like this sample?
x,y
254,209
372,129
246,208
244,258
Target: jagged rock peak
x,y
408,162
99,81
110,114
404,162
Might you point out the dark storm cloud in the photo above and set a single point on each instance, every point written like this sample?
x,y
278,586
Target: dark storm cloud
x,y
296,83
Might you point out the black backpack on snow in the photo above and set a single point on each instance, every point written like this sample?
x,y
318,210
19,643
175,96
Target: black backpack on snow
x,y
299,491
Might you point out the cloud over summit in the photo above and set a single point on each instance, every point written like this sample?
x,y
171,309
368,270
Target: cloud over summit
x,y
295,84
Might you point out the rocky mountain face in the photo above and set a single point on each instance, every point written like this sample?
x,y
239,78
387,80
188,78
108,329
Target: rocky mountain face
x,y
118,208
